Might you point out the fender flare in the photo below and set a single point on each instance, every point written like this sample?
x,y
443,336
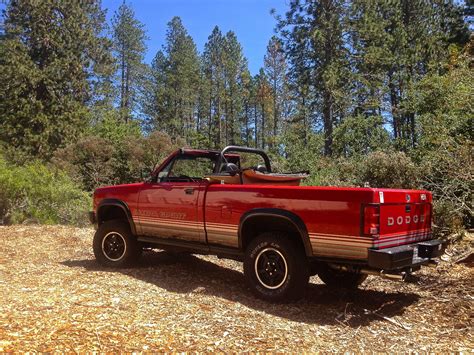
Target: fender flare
x,y
291,217
120,204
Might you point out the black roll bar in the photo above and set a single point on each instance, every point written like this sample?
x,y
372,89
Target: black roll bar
x,y
235,148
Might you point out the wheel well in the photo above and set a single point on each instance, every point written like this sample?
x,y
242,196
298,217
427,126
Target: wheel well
x,y
255,225
110,212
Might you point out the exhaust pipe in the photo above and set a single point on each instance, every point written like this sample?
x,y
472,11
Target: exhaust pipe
x,y
398,277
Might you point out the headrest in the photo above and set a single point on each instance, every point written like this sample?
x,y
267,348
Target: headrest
x,y
229,168
261,168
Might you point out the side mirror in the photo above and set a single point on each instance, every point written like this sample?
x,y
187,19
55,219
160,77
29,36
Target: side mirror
x,y
146,175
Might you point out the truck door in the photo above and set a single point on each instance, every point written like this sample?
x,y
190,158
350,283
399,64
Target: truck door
x,y
172,206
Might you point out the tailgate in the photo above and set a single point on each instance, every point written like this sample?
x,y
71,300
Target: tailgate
x,y
404,222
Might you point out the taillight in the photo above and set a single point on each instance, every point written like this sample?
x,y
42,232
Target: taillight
x,y
372,220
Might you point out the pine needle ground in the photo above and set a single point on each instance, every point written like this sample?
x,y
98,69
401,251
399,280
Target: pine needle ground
x,y
55,297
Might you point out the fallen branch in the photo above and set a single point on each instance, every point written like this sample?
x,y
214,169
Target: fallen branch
x,y
403,326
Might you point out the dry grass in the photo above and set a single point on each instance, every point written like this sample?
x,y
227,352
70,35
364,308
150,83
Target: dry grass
x,y
54,297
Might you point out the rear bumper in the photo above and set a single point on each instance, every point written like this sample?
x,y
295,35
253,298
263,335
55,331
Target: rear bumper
x,y
405,256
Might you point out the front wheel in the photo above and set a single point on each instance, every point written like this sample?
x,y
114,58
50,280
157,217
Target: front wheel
x,y
114,245
275,267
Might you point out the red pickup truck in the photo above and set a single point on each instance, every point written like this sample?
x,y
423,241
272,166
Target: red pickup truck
x,y
229,203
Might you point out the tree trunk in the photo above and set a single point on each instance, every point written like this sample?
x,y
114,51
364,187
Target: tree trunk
x,y
256,123
127,94
275,112
247,133
263,125
328,123
394,107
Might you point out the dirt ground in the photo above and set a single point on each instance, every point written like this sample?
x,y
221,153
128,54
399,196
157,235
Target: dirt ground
x,y
55,297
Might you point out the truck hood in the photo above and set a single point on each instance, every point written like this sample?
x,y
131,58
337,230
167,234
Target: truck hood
x,y
125,192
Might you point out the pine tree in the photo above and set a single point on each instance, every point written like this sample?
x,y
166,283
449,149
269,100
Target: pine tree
x,y
275,70
214,73
234,65
174,84
154,104
314,36
264,100
51,58
128,35
248,102
420,32
182,76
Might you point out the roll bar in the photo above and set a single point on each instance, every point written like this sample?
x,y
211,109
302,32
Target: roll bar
x,y
234,148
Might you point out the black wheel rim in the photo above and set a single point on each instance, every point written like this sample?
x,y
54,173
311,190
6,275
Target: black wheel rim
x,y
114,246
271,268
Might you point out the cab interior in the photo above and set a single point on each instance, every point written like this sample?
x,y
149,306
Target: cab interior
x,y
234,165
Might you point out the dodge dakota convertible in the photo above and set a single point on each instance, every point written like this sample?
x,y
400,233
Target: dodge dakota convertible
x,y
230,204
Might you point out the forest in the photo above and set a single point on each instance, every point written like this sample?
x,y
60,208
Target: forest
x,y
360,92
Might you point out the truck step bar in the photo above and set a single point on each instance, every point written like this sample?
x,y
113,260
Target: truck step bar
x,y
193,247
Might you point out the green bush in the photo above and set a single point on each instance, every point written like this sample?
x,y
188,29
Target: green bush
x,y
377,169
34,193
114,159
388,169
448,173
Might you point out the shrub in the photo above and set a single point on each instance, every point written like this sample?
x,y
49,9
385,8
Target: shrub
x,y
448,173
388,169
89,162
97,161
36,193
378,169
333,172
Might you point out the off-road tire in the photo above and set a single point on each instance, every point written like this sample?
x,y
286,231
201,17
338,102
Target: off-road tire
x,y
340,279
276,250
115,246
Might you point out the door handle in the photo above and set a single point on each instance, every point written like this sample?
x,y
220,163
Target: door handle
x,y
189,191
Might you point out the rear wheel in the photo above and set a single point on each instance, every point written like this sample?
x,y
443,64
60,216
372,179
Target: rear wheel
x,y
340,279
275,267
114,245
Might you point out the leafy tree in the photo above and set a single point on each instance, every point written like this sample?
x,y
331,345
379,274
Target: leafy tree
x,y
128,36
52,55
360,135
445,115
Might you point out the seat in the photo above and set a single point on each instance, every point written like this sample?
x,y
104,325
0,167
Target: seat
x,y
256,177
228,175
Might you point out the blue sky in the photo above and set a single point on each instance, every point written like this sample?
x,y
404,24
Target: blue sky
x,y
249,19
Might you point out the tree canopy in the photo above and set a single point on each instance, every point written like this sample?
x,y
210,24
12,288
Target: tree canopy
x,y
344,84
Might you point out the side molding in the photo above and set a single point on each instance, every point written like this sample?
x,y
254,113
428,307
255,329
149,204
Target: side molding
x,y
295,220
120,204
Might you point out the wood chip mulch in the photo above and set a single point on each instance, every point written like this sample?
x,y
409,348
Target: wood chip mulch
x,y
55,297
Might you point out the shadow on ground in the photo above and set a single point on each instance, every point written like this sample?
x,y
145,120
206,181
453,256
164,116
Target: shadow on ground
x,y
183,273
